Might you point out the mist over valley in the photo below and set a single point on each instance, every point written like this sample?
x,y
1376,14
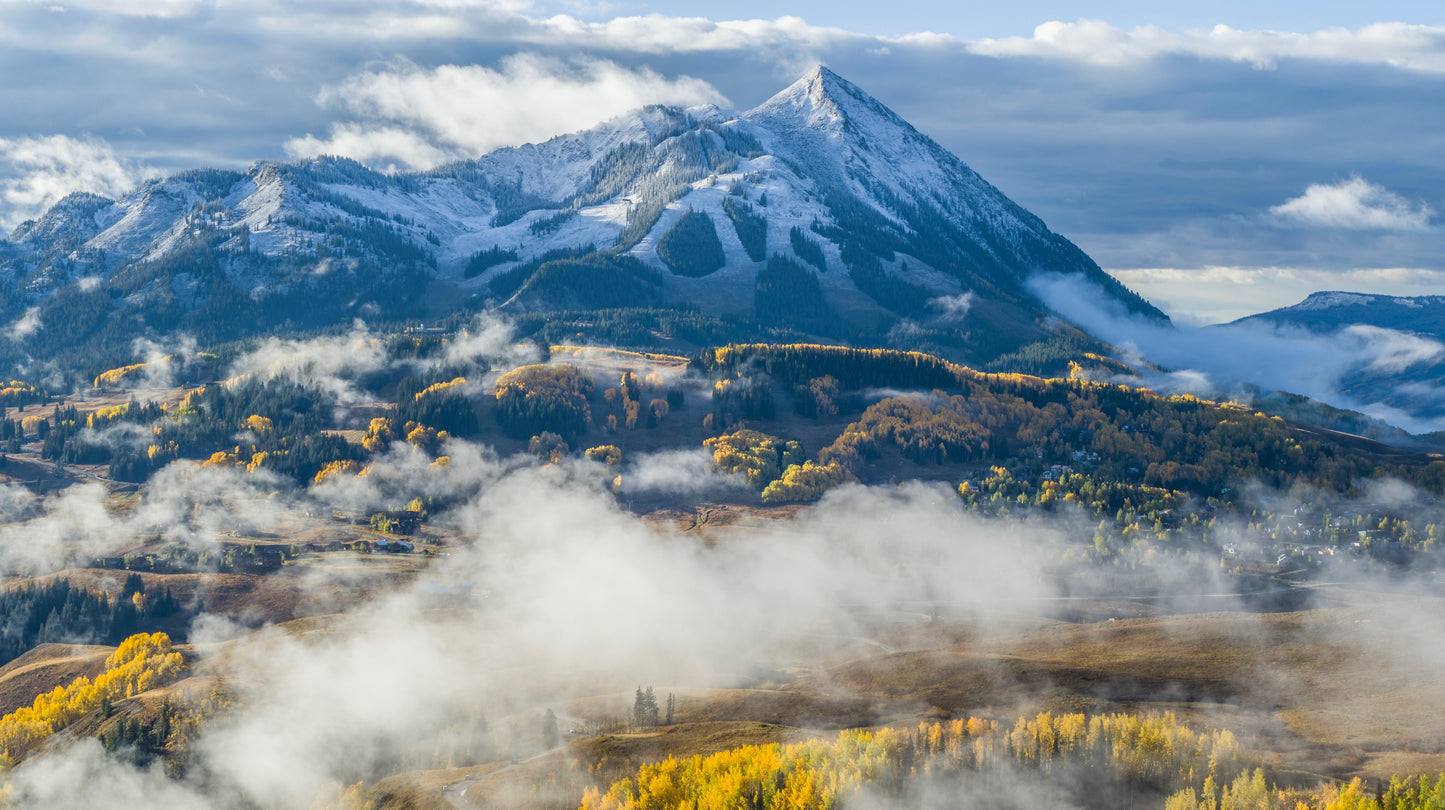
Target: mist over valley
x,y
699,458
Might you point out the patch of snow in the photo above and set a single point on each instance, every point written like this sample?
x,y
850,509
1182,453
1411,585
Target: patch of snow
x,y
1331,300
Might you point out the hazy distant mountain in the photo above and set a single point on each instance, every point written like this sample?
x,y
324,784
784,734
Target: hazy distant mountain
x,y
1410,376
1328,311
820,211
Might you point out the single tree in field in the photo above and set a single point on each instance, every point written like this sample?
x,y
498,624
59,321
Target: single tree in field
x,y
550,737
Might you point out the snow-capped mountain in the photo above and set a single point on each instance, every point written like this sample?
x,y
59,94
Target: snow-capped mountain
x,y
818,209
1328,311
1410,376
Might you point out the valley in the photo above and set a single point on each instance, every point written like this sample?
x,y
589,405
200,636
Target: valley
x,y
700,458
914,541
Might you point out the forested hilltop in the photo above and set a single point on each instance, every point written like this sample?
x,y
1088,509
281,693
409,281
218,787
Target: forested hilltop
x,y
784,423
840,572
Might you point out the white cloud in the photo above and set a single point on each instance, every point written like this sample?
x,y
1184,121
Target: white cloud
x,y
1356,204
656,33
1393,350
386,148
1412,47
35,173
26,325
123,8
953,307
420,118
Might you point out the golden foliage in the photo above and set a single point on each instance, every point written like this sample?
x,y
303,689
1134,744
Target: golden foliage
x,y
425,438
1156,750
378,435
258,460
806,483
756,455
169,450
141,662
541,378
343,467
258,423
221,458
609,454
336,796
114,377
17,388
100,417
437,388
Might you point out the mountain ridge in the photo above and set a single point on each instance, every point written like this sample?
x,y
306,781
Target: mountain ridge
x,y
875,222
1332,309
1412,374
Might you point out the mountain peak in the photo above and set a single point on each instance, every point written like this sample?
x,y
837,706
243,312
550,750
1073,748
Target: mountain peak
x,y
823,76
823,99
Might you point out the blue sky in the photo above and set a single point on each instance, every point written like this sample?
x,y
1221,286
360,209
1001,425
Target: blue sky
x,y
1222,158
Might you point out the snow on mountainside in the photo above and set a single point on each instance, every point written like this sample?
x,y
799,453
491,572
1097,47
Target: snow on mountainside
x,y
1411,376
1327,311
873,222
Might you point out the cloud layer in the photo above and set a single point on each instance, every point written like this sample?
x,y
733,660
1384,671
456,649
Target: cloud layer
x,y
1411,47
418,118
36,172
1224,361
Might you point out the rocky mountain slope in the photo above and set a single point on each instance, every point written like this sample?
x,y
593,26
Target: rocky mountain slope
x,y
819,211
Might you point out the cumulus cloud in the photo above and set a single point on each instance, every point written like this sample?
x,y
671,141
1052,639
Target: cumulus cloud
x,y
419,117
1356,204
35,173
1412,47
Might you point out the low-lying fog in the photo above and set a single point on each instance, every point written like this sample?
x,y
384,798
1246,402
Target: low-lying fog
x,y
558,593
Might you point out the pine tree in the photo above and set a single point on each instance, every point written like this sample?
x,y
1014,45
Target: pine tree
x,y
550,736
650,703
